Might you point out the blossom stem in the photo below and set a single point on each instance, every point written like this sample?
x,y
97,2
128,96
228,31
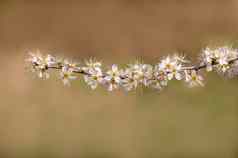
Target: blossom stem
x,y
195,67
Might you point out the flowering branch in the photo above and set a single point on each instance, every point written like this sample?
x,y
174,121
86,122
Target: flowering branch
x,y
223,59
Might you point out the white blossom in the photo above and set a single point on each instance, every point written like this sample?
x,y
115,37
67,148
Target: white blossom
x,y
130,80
113,77
193,78
208,58
93,77
137,73
160,78
93,73
67,74
171,67
140,73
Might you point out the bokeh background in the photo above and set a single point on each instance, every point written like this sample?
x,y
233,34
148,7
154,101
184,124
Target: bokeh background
x,y
44,119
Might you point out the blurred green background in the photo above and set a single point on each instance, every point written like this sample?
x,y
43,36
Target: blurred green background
x,y
45,119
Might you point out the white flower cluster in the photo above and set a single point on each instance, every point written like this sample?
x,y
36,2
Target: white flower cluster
x,y
93,73
219,58
129,78
41,63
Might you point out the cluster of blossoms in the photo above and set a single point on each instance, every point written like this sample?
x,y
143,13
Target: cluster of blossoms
x,y
221,59
176,67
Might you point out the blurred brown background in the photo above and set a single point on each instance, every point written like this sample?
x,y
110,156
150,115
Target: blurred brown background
x,y
44,119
